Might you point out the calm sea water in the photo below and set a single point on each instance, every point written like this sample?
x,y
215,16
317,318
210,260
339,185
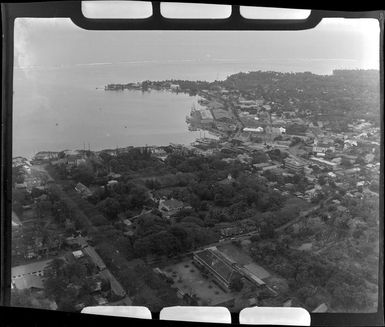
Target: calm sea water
x,y
67,107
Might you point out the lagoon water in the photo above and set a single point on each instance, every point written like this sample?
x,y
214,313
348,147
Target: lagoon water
x,y
66,107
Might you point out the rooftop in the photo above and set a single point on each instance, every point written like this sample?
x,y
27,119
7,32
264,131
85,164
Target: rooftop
x,y
220,114
96,259
172,204
216,262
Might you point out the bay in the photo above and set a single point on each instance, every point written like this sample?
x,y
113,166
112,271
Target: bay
x,y
66,107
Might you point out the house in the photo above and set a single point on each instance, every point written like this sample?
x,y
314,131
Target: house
x,y
261,165
222,115
206,116
271,167
351,171
112,183
278,130
170,207
369,158
77,242
100,300
48,246
228,180
294,165
21,162
230,231
127,222
283,142
111,152
83,190
45,156
337,160
71,152
250,102
114,175
253,130
174,87
322,147
213,105
78,254
75,160
248,106
348,143
352,159
80,161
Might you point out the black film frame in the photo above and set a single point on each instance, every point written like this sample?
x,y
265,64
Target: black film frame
x,y
72,9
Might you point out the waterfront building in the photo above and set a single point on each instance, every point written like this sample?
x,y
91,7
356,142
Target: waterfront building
x,y
174,87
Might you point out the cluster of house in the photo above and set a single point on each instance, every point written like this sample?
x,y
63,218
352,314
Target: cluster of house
x,y
29,241
37,247
103,284
225,111
22,167
140,86
329,152
44,156
214,117
22,163
70,159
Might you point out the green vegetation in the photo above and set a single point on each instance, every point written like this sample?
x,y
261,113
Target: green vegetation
x,y
344,239
68,284
340,97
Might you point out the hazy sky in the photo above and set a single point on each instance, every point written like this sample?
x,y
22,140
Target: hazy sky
x,y
54,42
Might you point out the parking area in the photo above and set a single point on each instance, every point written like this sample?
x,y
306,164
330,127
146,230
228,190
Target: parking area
x,y
188,278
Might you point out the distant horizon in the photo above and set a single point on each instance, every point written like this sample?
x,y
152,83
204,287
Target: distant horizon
x,y
41,68
50,42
